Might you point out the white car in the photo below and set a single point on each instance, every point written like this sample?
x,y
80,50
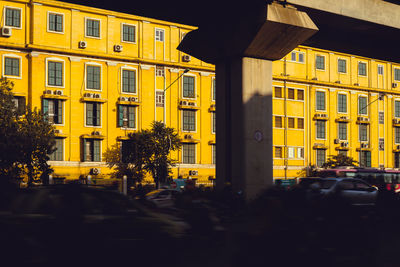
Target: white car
x,y
162,198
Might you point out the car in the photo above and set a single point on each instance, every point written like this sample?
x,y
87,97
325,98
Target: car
x,y
355,191
163,198
46,223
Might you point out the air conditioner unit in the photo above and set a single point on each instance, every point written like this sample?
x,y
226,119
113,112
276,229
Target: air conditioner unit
x,y
117,48
96,95
357,84
133,99
94,171
317,115
193,173
336,141
314,78
344,118
47,92
88,95
338,82
184,103
58,92
96,133
123,98
57,131
394,85
6,31
364,145
396,121
82,44
188,136
192,104
344,144
186,58
324,115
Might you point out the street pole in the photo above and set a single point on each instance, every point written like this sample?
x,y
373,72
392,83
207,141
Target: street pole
x,y
165,97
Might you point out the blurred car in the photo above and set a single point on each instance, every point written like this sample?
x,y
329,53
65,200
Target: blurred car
x,y
163,198
355,191
46,222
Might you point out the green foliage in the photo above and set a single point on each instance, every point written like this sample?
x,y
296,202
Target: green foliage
x,y
339,160
309,171
145,151
26,139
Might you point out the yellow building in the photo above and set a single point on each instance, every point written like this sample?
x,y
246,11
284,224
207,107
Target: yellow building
x,y
101,75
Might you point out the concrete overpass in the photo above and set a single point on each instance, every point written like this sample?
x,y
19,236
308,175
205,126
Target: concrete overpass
x,y
242,44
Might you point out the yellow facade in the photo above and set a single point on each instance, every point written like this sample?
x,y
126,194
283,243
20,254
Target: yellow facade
x,y
72,60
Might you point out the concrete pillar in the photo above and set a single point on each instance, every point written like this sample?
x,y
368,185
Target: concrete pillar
x,y
244,126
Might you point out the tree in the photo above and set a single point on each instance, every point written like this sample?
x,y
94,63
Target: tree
x,y
145,151
339,160
26,139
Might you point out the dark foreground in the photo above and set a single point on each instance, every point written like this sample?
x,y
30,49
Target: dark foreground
x,y
281,228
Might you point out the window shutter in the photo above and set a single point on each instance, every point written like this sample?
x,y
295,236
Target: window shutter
x,y
84,150
89,113
131,117
59,111
59,73
96,150
97,114
45,107
120,115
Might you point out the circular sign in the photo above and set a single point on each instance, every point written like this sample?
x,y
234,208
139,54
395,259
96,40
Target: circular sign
x,y
258,136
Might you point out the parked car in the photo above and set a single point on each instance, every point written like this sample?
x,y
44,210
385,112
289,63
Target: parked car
x,y
355,191
46,223
162,198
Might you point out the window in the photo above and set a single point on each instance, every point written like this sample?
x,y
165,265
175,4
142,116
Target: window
x,y
128,81
381,144
397,108
278,152
91,150
397,74
365,158
188,87
300,152
320,154
362,105
380,69
13,17
93,113
342,152
290,93
293,56
93,28
320,62
300,94
278,122
160,98
290,122
382,117
397,135
397,159
160,71
214,154
53,110
58,155
189,120
342,129
214,89
128,33
342,103
11,66
362,68
278,92
320,129
159,35
126,116
55,22
342,66
55,73
301,57
300,123
363,132
214,122
291,152
93,77
189,153
19,104
320,100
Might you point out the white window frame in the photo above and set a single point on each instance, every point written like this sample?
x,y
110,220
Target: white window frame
x,y
55,59
394,106
326,103
316,130
122,32
338,65
300,153
347,102
213,150
359,133
358,105
63,111
213,88
394,73
159,29
366,68
195,86
196,121
122,127
101,115
100,26
4,17
63,145
383,69
48,22
315,62
195,154
293,154
338,131
212,119
90,63
316,155
20,66
121,79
